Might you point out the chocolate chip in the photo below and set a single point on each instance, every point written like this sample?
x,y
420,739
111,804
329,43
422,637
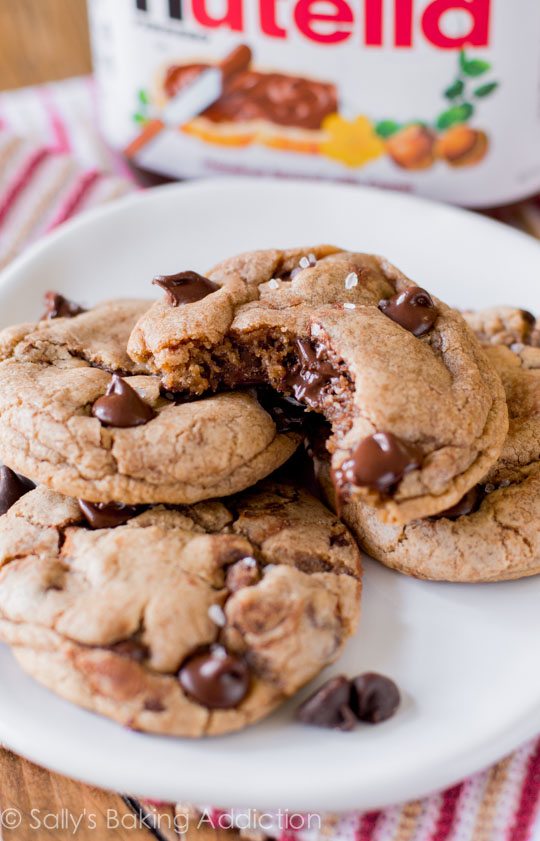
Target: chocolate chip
x,y
287,413
374,698
300,469
185,287
154,705
413,309
244,573
107,515
379,461
329,706
215,679
179,398
121,406
467,505
56,306
12,487
311,374
131,649
528,317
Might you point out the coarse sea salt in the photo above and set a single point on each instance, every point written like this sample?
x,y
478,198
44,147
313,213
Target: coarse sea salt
x,y
349,306
273,284
249,562
304,263
351,280
216,614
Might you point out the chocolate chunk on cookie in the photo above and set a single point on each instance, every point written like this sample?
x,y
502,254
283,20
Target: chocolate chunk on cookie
x,y
192,621
77,415
12,487
56,306
493,532
350,337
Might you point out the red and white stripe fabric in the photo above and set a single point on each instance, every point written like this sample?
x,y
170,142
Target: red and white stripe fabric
x,y
499,804
53,161
53,165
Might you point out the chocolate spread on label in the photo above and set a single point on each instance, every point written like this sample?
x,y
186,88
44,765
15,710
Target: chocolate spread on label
x,y
284,100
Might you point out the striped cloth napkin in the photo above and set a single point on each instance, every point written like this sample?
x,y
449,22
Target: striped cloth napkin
x,y
53,162
53,165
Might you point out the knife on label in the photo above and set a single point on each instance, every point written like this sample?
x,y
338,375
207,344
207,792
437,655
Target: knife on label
x,y
205,89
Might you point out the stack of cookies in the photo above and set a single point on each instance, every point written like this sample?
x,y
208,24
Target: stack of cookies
x,y
166,555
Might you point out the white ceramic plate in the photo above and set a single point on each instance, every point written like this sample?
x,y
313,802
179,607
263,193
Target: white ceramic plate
x,y
466,657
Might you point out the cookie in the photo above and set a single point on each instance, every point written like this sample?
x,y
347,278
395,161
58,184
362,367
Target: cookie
x,y
417,412
77,415
493,533
505,326
189,621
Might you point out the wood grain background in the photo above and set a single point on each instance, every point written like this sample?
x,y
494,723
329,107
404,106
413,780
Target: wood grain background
x,y
42,40
49,806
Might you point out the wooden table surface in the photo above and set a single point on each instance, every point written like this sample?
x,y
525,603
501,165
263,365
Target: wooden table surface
x,y
36,805
43,40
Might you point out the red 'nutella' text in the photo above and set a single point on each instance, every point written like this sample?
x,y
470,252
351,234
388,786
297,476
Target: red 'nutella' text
x,y
337,21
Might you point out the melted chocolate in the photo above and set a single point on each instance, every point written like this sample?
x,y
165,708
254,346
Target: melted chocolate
x,y
132,649
107,515
12,487
181,76
329,706
288,414
300,470
56,306
215,679
185,287
311,375
374,698
380,461
121,406
180,398
413,309
467,505
250,95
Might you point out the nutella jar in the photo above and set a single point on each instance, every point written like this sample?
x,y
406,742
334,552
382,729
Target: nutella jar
x,y
437,97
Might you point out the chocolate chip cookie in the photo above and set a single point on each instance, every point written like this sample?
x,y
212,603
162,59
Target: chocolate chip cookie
x,y
417,411
493,533
79,416
189,621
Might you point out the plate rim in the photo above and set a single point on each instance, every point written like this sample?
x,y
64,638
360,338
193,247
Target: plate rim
x,y
119,205
484,754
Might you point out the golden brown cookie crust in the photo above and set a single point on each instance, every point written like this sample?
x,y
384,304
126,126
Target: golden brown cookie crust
x,y
52,373
72,599
438,393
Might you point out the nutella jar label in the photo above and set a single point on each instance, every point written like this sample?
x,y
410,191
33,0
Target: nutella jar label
x,y
437,97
